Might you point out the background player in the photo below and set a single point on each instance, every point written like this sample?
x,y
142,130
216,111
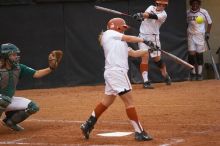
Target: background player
x,y
152,19
197,33
16,109
116,53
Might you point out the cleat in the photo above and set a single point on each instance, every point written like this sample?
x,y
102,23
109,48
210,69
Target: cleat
x,y
87,127
143,136
193,77
147,85
168,80
199,77
12,126
85,131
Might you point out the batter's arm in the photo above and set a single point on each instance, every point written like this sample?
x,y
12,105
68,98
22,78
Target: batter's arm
x,y
131,39
137,53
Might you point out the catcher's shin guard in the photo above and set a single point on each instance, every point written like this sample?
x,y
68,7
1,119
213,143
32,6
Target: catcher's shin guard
x,y
14,117
88,126
11,125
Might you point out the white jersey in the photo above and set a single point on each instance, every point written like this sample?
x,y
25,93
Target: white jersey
x,y
152,26
193,26
115,50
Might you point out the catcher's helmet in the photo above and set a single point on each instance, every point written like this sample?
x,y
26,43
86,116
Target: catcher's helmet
x,y
191,2
7,50
117,24
162,2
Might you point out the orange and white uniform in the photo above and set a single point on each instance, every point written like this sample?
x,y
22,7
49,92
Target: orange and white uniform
x,y
196,32
116,62
150,29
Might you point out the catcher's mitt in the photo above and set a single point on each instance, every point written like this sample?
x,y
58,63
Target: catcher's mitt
x,y
54,59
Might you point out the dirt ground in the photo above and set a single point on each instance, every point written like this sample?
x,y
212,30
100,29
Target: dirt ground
x,y
183,114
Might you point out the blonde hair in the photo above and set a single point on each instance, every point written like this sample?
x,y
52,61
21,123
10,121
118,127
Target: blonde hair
x,y
100,37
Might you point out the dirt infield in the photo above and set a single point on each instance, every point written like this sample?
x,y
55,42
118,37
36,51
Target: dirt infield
x,y
184,114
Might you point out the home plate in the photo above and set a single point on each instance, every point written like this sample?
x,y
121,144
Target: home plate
x,y
115,134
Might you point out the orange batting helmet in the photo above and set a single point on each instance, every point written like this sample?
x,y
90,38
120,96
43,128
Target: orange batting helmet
x,y
117,24
162,2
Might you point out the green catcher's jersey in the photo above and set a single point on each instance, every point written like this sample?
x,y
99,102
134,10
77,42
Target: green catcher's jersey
x,y
9,78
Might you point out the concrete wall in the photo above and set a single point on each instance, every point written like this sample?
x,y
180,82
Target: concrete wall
x,y
213,7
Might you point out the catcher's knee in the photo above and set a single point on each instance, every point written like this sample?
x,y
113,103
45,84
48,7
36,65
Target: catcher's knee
x,y
199,57
32,108
160,63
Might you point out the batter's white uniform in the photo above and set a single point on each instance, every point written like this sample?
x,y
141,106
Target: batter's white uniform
x,y
116,62
196,32
150,29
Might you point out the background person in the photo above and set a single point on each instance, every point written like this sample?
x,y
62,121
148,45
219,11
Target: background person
x,y
151,21
197,33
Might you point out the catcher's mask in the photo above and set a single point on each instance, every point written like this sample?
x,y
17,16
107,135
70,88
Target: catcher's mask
x,y
164,2
117,24
7,50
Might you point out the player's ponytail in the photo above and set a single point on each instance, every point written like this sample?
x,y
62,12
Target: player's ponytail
x,y
100,38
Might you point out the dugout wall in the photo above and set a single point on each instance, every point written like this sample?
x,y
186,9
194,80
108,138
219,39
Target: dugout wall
x,y
39,26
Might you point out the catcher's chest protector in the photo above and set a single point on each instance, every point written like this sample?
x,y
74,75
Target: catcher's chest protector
x,y
9,80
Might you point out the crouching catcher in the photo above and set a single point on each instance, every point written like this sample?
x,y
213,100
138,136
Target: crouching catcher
x,y
17,109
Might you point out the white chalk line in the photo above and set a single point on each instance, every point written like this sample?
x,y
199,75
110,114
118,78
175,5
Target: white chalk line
x,y
47,144
112,122
173,142
18,141
71,121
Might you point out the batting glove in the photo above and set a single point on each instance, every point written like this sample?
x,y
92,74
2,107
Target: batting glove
x,y
138,16
152,46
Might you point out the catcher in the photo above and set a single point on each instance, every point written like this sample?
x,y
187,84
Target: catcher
x,y
17,109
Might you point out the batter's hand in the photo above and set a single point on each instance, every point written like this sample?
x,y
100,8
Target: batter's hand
x,y
138,16
152,46
54,59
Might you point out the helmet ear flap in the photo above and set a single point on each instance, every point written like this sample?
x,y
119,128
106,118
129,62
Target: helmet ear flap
x,y
111,26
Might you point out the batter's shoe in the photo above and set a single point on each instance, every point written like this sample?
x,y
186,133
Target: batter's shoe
x,y
143,136
147,85
168,80
11,125
193,77
87,127
199,77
